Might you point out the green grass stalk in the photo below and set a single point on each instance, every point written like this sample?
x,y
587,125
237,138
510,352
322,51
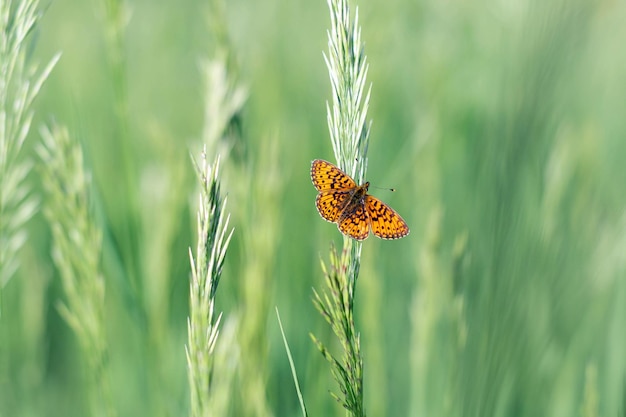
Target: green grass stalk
x,y
225,95
260,186
206,270
115,16
347,68
146,285
589,407
212,366
19,86
77,244
292,366
337,308
438,327
253,179
349,133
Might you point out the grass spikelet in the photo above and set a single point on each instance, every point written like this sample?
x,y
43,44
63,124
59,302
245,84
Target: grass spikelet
x,y
206,270
337,307
212,367
347,68
349,133
19,86
77,247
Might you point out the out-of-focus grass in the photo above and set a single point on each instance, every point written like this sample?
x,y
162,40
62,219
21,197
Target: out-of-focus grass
x,y
499,123
76,252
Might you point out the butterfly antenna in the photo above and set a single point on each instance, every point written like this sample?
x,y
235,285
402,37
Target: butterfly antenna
x,y
393,190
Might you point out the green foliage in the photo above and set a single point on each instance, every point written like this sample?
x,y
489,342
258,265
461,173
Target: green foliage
x,y
76,252
206,270
347,67
19,86
350,137
337,308
292,366
500,124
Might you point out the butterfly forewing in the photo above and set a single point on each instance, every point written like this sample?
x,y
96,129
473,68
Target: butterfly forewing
x,y
386,223
326,176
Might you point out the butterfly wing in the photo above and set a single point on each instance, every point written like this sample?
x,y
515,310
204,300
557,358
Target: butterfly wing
x,y
386,223
355,223
336,189
326,176
331,203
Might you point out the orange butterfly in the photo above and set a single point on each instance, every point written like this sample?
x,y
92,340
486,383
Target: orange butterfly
x,y
341,201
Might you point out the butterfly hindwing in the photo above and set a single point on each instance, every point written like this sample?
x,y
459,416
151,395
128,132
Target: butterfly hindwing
x,y
355,224
331,203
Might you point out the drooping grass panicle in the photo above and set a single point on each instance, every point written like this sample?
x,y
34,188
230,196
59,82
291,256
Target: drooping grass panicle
x,y
77,249
20,83
206,269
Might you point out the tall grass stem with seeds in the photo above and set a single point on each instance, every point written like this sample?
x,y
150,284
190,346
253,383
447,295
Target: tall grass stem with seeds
x,y
20,83
349,133
206,270
76,251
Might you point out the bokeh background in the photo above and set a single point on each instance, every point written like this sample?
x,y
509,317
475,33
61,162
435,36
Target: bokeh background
x,y
501,124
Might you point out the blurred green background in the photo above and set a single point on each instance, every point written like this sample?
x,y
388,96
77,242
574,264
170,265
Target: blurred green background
x,y
500,123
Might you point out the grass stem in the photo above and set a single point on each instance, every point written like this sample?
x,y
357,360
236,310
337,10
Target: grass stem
x,y
77,249
19,86
349,133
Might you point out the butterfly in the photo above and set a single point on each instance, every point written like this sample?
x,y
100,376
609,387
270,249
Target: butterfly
x,y
342,201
